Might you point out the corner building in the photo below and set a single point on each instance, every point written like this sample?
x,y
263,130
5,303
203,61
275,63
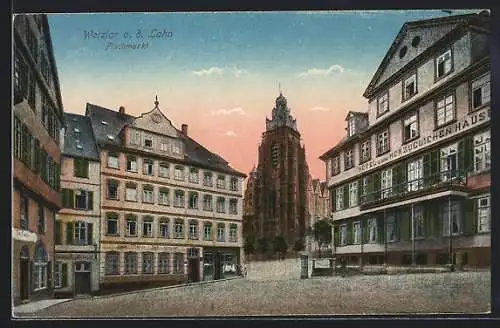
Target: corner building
x,y
37,115
416,165
171,210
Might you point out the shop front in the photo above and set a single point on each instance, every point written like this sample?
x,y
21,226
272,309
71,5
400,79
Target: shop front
x,y
220,263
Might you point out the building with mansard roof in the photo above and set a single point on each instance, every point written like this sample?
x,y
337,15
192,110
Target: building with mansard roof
x,y
171,209
410,182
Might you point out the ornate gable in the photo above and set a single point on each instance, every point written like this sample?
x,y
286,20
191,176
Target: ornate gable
x,y
155,121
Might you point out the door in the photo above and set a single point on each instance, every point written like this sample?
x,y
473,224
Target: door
x,y
217,266
24,273
194,269
82,278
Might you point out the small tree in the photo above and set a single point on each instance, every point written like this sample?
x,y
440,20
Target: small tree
x,y
322,232
280,246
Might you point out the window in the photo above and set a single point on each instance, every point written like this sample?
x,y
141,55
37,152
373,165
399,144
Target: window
x,y
444,64
221,227
339,197
179,229
163,263
112,224
208,179
372,230
131,226
391,228
135,137
147,226
193,229
482,151
164,170
386,183
193,200
178,263
207,203
179,198
147,262
233,206
148,141
275,154
131,163
335,165
20,78
418,221
221,182
41,219
353,194
112,263
131,191
113,161
83,199
58,232
81,168
343,234
484,214
481,91
348,159
40,268
60,275
18,138
221,205
233,233
130,263
81,234
207,231
163,227
415,174
365,151
193,175
445,110
164,197
410,87
383,104
176,147
147,167
113,189
455,218
234,184
351,125
449,162
383,142
179,173
148,194
366,189
410,126
357,232
165,145
31,41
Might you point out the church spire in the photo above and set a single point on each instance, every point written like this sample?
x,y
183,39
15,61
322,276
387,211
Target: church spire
x,y
156,101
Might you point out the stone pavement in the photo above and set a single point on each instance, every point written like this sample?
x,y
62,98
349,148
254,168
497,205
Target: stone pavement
x,y
31,308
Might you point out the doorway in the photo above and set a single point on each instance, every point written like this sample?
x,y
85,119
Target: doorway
x,y
24,274
193,264
82,278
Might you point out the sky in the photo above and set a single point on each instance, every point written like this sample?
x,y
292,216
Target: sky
x,y
220,73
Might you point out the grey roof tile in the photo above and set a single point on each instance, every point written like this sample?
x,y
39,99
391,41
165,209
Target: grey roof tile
x,y
79,138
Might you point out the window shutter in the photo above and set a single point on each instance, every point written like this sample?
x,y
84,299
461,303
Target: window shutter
x,y
69,233
90,196
469,216
376,186
350,233
64,275
32,274
346,196
364,230
71,198
58,229
49,274
65,197
427,169
468,156
380,230
360,191
85,168
435,156
89,233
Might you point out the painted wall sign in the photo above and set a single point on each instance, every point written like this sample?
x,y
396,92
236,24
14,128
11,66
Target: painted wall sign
x,y
24,235
427,140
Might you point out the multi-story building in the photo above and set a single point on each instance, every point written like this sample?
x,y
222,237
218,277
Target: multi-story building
x,y
37,119
76,269
280,208
410,183
319,208
170,209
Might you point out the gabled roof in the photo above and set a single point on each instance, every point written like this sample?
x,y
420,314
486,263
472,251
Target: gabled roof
x,y
79,138
351,112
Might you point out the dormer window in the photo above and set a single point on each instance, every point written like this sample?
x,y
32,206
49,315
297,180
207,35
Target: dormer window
x,y
77,130
110,137
444,64
148,141
351,126
409,87
383,104
104,123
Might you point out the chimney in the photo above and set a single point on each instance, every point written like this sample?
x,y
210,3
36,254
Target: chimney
x,y
121,110
185,129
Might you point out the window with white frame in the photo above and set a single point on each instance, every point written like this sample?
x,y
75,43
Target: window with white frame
x,y
147,262
383,104
207,231
176,147
193,200
357,232
193,175
445,110
365,150
130,263
147,226
208,179
113,160
335,163
80,233
164,170
449,162
484,214
179,198
353,194
221,205
165,145
233,233
386,183
193,229
135,137
164,196
221,227
207,202
410,87
147,167
163,227
444,64
178,264
163,265
83,199
415,174
339,198
351,126
148,141
131,191
234,184
366,189
60,275
148,194
481,91
392,234
348,159
418,221
179,173
40,269
179,229
372,230
454,217
233,206
112,263
131,163
131,226
410,126
112,189
343,234
482,151
221,182
383,142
